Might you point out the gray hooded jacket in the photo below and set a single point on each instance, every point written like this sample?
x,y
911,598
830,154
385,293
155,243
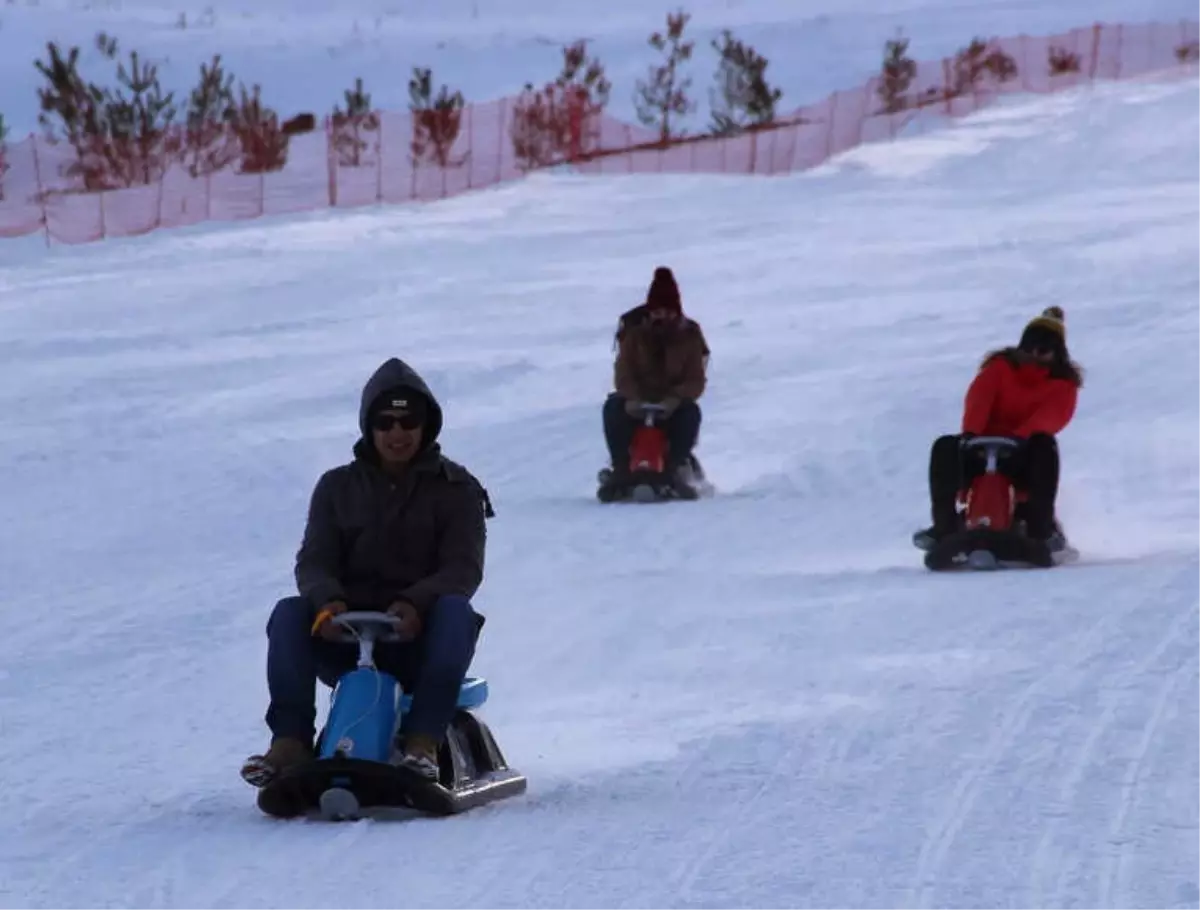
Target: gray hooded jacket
x,y
372,539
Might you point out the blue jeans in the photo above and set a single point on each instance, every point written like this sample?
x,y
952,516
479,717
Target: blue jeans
x,y
431,668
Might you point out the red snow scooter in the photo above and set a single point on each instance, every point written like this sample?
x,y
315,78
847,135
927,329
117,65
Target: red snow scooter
x,y
646,478
991,534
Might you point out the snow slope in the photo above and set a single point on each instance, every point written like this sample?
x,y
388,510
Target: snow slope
x,y
306,53
758,700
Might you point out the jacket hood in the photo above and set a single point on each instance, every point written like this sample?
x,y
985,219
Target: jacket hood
x,y
396,374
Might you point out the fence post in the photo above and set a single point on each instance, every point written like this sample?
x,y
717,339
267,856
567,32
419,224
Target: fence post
x,y
1095,52
413,160
41,190
500,140
574,127
833,106
162,182
470,147
330,170
1024,39
379,161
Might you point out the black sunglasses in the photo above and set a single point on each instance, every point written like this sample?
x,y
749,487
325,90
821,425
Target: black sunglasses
x,y
384,422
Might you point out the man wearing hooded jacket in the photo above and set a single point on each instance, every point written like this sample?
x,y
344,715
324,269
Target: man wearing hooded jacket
x,y
662,358
398,529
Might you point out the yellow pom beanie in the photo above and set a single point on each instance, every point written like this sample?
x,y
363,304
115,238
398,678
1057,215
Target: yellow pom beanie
x,y
1050,327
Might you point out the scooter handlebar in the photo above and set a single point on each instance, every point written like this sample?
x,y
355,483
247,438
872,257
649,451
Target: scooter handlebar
x,y
372,624
996,443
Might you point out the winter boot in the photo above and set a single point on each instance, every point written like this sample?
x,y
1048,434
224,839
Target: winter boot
x,y
1021,524
681,482
1055,540
285,751
947,522
420,754
946,479
928,538
613,482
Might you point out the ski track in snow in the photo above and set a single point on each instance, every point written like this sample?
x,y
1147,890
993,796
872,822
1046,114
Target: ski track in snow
x,y
1049,857
757,700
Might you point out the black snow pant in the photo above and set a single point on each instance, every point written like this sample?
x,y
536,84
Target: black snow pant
x,y
1033,468
682,429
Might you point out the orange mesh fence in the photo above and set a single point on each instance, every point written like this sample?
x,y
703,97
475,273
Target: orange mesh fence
x,y
78,195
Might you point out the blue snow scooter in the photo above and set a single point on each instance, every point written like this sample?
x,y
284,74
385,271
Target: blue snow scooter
x,y
356,771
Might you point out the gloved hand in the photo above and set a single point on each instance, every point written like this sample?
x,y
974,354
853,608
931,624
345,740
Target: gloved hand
x,y
670,404
633,408
409,626
322,625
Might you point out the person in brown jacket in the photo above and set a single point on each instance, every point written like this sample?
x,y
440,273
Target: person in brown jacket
x,y
662,358
399,529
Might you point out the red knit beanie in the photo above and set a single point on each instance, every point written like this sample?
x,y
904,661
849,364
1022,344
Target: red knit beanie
x,y
664,292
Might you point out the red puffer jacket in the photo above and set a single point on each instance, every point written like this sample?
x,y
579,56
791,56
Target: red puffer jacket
x,y
1015,396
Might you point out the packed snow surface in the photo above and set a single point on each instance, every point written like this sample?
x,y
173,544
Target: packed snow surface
x,y
760,699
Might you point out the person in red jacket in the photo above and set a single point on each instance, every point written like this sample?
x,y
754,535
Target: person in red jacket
x,y
1028,392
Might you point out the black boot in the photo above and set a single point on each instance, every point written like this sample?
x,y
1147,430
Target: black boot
x,y
613,482
681,485
618,432
945,480
1039,472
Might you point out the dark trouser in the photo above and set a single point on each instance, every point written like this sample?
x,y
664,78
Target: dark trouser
x,y
432,668
1032,468
682,429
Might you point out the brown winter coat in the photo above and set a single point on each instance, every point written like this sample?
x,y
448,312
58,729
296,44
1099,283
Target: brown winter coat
x,y
654,364
372,539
